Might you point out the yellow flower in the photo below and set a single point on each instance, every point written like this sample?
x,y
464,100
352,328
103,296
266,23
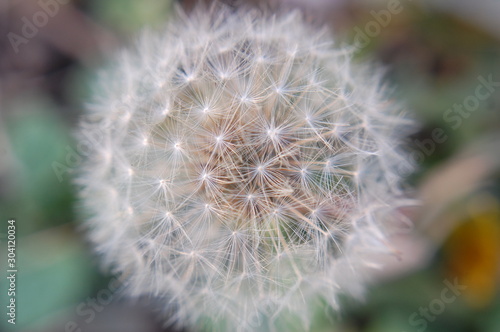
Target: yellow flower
x,y
473,252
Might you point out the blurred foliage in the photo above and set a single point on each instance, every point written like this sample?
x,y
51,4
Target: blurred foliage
x,y
128,16
38,138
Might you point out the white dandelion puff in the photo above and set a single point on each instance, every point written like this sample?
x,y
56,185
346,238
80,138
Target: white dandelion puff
x,y
243,168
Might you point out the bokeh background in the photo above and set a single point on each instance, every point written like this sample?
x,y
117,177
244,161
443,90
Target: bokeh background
x,y
439,56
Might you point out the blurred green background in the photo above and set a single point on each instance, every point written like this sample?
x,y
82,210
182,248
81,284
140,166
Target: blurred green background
x,y
437,54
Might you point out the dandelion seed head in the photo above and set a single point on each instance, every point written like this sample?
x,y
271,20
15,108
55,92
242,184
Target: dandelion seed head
x,y
267,173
